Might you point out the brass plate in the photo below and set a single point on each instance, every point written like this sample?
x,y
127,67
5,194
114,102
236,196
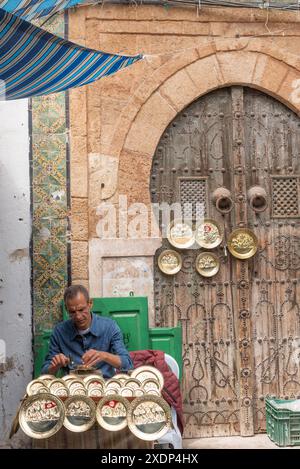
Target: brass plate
x,y
169,262
127,392
145,372
242,243
110,391
41,415
139,392
149,417
113,383
207,264
89,378
111,413
122,377
59,388
180,235
150,384
208,234
133,383
47,378
77,387
69,377
36,386
80,413
95,386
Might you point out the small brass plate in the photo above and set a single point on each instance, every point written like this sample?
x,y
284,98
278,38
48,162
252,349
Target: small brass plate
x,y
180,235
36,386
169,262
208,234
122,377
145,372
149,417
41,415
113,383
111,413
77,387
58,387
80,413
133,383
242,243
150,384
207,264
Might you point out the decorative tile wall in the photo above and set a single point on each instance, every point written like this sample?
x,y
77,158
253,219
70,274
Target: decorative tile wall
x,y
50,200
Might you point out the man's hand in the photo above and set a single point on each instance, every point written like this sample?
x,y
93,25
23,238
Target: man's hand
x,y
92,357
57,362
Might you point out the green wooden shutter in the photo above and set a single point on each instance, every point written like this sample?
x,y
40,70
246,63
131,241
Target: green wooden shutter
x,y
169,340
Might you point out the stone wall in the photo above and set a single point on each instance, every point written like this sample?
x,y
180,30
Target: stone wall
x,y
116,123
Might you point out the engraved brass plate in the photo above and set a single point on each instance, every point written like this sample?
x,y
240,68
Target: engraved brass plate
x,y
113,383
150,384
208,234
145,372
80,413
242,243
133,383
149,417
41,415
58,387
77,387
180,235
207,264
95,386
127,392
47,378
111,413
122,377
36,386
169,262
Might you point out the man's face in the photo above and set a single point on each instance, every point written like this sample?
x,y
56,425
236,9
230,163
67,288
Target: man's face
x,y
79,311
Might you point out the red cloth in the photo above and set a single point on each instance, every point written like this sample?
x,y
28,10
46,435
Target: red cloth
x,y
171,390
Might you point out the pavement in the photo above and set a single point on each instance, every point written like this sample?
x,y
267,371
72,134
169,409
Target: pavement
x,y
260,441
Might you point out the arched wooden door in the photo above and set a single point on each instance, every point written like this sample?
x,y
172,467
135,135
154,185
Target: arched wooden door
x,y
241,329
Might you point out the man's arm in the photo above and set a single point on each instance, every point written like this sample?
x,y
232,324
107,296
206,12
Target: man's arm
x,y
55,359
117,357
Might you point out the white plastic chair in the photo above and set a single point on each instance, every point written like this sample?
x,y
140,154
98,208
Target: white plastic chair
x,y
173,436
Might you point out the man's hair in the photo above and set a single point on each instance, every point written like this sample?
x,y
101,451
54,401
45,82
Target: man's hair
x,y
72,291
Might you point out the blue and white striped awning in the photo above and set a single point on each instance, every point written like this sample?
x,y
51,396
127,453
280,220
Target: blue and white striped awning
x,y
34,62
31,9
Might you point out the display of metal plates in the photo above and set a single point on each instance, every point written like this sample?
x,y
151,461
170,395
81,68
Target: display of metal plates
x,y
208,234
41,415
59,388
149,417
76,387
180,235
207,264
150,384
145,372
169,262
111,413
242,243
36,386
80,413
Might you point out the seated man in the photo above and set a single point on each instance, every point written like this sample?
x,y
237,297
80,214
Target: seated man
x,y
86,339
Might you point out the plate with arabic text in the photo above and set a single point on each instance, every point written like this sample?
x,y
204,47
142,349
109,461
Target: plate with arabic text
x,y
242,243
207,264
80,413
180,234
169,262
41,415
208,234
149,417
111,412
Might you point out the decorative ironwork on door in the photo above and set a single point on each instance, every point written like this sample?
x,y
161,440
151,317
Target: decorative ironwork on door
x,y
241,328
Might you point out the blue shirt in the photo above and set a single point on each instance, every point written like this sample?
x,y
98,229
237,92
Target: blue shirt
x,y
104,335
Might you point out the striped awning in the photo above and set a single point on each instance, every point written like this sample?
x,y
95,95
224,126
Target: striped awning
x,y
34,62
31,9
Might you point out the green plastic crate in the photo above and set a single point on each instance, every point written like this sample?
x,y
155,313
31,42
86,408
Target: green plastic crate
x,y
283,425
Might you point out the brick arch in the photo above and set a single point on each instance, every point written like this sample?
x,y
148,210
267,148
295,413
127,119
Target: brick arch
x,y
175,84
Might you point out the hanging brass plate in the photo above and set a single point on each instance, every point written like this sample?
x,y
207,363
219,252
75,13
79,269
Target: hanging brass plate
x,y
145,372
149,417
208,234
80,413
242,243
41,415
207,264
111,412
169,262
180,235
